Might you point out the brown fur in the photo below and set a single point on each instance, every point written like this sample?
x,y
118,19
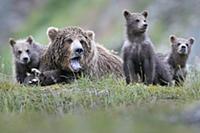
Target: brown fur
x,y
177,59
102,63
29,49
163,75
96,61
138,53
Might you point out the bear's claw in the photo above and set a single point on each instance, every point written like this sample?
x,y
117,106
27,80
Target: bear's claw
x,y
36,72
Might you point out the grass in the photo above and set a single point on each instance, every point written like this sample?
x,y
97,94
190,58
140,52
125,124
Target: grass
x,y
85,94
88,106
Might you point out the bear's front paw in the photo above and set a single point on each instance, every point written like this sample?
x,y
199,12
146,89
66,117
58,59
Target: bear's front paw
x,y
31,79
36,72
34,81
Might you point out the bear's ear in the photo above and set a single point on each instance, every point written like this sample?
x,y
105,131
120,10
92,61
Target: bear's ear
x,y
29,39
52,32
172,38
12,42
90,34
191,40
126,14
145,13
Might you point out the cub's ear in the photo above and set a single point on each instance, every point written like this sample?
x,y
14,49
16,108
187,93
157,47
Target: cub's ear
x,y
172,38
52,32
145,13
126,14
29,39
191,40
90,34
12,42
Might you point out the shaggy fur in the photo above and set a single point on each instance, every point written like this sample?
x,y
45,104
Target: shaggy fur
x,y
102,62
95,61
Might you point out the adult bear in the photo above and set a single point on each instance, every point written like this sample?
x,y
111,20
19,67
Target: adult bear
x,y
73,50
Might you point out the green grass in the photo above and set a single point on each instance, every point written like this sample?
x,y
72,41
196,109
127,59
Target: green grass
x,y
85,94
106,105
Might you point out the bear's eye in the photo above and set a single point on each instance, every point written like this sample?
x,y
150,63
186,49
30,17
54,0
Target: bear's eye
x,y
179,44
19,51
27,51
69,40
145,21
137,20
82,42
187,44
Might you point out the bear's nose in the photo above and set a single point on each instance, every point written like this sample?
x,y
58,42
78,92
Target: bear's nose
x,y
79,51
145,25
25,59
183,47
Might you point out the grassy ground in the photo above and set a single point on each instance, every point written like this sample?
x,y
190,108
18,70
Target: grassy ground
x,y
96,106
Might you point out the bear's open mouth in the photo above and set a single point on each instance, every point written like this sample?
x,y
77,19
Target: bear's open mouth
x,y
75,63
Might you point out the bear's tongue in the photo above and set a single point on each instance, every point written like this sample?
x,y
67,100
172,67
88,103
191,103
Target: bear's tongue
x,y
75,65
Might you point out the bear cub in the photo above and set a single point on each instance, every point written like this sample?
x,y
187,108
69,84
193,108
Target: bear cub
x,y
138,53
177,59
26,53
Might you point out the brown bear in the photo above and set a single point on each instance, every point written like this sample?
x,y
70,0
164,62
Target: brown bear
x,y
177,59
73,50
26,53
138,53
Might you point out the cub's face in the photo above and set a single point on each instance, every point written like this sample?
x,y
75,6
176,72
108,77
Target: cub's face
x,y
72,45
136,22
181,46
22,50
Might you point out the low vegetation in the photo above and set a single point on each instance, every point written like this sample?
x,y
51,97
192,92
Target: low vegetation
x,y
106,105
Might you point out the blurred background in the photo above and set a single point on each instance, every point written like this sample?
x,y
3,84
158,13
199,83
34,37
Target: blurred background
x,y
20,18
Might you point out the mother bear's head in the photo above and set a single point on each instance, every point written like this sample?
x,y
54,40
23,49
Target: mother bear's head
x,y
70,47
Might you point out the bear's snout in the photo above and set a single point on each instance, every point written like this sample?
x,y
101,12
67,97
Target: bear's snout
x,y
77,48
79,51
183,49
145,25
25,59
